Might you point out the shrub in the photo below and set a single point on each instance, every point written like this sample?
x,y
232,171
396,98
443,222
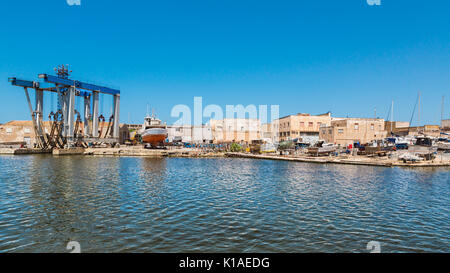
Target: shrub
x,y
235,148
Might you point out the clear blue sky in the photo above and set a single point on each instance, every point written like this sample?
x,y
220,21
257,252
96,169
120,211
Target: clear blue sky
x,y
307,56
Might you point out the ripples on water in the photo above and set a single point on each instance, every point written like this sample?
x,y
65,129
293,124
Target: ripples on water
x,y
127,204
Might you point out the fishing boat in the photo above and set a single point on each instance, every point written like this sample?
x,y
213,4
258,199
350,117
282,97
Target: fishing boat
x,y
153,131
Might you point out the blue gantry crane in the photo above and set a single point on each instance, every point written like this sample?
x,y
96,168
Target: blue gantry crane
x,y
64,131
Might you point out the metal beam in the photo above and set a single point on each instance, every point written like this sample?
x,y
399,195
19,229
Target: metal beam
x,y
95,105
116,105
23,83
71,113
39,102
87,116
78,84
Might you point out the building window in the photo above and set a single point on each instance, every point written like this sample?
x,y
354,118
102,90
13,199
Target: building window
x,y
356,126
9,130
330,132
340,131
310,124
372,126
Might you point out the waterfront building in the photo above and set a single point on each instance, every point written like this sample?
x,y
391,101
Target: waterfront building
x,y
429,130
445,126
350,130
21,131
178,133
268,133
235,130
393,126
189,133
303,127
202,134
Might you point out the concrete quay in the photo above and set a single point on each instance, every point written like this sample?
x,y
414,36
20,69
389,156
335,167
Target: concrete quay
x,y
352,160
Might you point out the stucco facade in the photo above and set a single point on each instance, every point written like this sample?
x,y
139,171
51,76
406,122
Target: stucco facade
x,y
235,130
350,130
304,127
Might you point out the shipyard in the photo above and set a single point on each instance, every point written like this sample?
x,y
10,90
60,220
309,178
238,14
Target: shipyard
x,y
220,135
300,137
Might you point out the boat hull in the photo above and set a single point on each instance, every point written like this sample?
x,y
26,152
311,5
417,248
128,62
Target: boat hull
x,y
154,136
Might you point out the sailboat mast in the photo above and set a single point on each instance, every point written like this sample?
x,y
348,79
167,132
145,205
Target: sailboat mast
x,y
392,114
442,111
418,122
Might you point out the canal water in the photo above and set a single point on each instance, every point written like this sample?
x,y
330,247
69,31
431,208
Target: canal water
x,y
131,204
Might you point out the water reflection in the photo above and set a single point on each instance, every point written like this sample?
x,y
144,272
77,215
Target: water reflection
x,y
112,204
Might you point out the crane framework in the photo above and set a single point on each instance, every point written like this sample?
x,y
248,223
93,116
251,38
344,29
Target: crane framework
x,y
64,131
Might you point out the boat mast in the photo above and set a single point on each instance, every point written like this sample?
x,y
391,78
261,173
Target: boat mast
x,y
442,111
418,122
392,114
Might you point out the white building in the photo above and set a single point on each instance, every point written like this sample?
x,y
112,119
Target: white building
x,y
189,133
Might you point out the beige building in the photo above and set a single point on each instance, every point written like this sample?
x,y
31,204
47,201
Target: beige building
x,y
268,132
349,130
304,127
19,131
235,130
428,130
445,125
395,125
22,131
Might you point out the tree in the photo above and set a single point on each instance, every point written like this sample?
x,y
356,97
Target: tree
x,y
235,147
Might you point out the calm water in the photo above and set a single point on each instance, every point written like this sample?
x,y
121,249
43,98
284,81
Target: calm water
x,y
128,204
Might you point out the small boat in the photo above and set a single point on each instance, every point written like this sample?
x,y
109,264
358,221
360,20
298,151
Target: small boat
x,y
423,147
443,146
153,131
